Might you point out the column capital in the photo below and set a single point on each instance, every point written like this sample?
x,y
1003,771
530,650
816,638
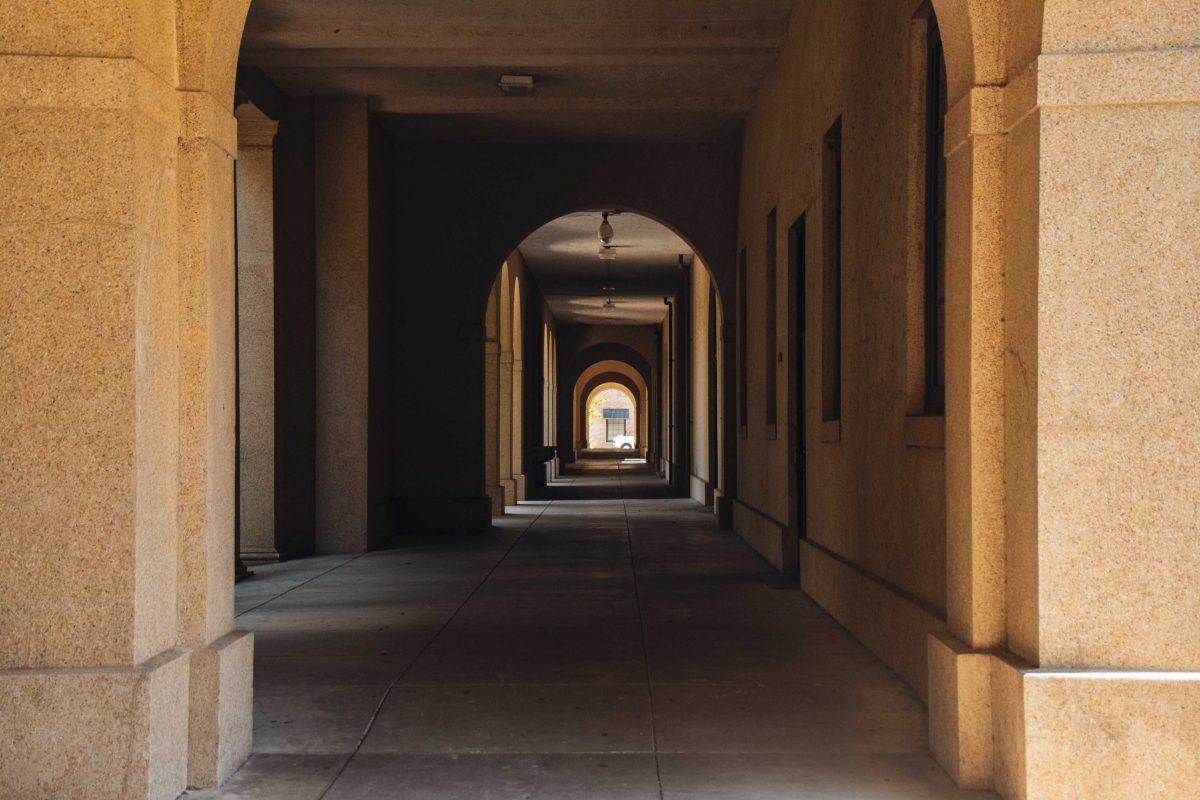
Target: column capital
x,y
254,128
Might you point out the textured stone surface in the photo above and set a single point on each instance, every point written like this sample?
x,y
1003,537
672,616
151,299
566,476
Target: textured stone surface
x,y
221,714
88,341
341,320
960,711
256,334
1110,736
1118,499
208,373
872,499
894,627
99,733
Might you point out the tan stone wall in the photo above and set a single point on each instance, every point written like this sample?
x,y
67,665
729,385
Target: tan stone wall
x,y
875,499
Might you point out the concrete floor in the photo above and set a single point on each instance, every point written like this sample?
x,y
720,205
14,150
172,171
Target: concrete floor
x,y
593,646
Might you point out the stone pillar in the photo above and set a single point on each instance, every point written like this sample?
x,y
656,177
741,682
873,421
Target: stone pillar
x,y
504,389
256,335
960,725
342,252
518,435
120,676
90,675
505,419
1103,556
556,463
220,722
1098,694
491,403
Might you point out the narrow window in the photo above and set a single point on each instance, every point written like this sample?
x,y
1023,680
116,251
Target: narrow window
x,y
798,330
831,290
771,346
935,222
743,310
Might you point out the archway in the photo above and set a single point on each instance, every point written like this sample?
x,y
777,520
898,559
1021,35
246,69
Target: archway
x,y
544,288
610,372
610,418
143,453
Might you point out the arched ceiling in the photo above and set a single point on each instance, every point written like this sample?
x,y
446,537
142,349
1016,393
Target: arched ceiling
x,y
563,256
646,70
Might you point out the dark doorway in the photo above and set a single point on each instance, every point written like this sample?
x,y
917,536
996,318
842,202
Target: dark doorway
x,y
798,324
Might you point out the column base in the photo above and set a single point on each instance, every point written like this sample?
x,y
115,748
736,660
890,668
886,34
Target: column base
x,y
118,733
723,511
522,487
221,722
509,486
1048,734
960,710
254,557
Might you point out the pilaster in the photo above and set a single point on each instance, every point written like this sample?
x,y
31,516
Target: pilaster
x,y
255,187
220,721
342,268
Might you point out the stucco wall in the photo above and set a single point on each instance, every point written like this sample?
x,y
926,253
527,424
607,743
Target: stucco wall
x,y
875,504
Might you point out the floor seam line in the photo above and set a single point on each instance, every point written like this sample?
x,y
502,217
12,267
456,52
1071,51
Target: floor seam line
x,y
388,691
637,597
302,583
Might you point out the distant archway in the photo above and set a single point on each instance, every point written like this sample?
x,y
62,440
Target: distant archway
x,y
610,417
608,370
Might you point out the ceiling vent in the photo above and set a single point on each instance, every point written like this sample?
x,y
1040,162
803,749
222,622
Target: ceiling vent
x,y
517,85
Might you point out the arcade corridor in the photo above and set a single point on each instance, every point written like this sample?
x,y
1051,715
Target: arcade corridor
x,y
901,499
605,647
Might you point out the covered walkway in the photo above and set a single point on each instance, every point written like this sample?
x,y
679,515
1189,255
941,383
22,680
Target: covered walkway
x,y
607,643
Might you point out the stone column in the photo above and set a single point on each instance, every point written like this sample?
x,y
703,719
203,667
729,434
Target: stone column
x,y
1097,692
556,463
89,673
1105,302
518,435
220,721
491,403
342,254
120,676
505,419
256,335
960,725
504,389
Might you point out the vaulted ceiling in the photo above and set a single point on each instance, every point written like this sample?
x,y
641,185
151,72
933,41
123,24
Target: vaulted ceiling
x,y
563,256
665,70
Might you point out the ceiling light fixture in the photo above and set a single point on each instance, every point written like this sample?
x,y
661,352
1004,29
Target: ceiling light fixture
x,y
607,253
517,85
606,230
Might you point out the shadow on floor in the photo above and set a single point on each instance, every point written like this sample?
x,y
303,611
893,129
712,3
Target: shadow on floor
x,y
603,649
609,479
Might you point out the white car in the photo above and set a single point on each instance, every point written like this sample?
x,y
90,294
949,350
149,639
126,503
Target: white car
x,y
625,442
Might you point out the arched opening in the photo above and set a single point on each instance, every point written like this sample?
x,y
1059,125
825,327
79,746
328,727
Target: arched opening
x,y
610,370
309,353
629,305
610,418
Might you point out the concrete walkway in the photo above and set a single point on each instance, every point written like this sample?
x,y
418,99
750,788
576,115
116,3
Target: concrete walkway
x,y
588,648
